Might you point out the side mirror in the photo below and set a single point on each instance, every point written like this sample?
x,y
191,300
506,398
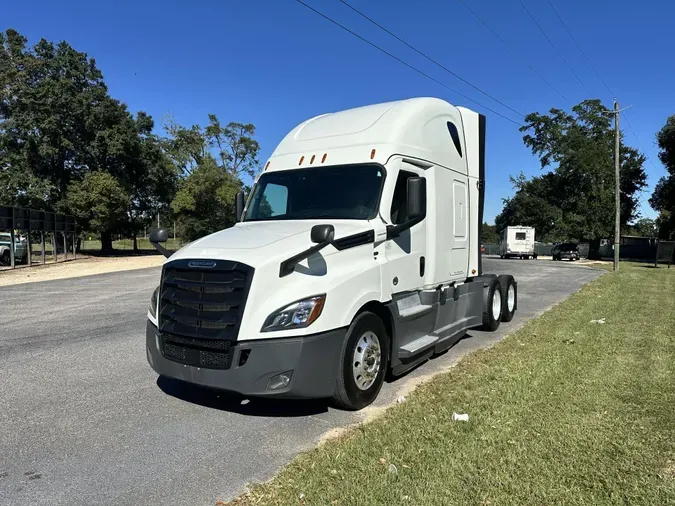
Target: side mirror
x,y
416,208
238,206
417,198
158,235
322,234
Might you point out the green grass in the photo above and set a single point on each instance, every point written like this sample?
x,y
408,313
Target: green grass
x,y
561,412
127,244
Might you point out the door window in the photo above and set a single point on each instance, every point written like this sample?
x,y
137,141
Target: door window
x,y
399,202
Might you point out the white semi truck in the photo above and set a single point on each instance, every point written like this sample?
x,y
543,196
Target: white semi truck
x,y
357,254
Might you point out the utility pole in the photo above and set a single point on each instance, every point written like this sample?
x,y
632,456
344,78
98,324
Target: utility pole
x,y
617,187
617,181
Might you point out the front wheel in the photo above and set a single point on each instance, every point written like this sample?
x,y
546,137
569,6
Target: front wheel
x,y
5,258
365,358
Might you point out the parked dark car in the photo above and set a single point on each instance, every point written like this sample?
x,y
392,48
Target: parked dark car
x,y
565,251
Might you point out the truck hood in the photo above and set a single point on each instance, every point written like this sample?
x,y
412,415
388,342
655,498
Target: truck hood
x,y
257,243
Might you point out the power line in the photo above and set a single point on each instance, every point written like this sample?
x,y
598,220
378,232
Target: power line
x,y
639,142
579,47
554,47
428,57
372,44
515,52
630,127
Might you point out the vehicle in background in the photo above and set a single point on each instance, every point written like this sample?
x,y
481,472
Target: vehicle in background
x,y
566,251
517,242
20,249
357,255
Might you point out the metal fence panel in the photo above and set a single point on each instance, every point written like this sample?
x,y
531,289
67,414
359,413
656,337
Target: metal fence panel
x,y
665,253
6,218
18,218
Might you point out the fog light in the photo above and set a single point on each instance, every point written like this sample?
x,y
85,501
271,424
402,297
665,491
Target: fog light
x,y
280,381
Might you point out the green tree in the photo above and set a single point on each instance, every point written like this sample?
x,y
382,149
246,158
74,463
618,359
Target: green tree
x,y
663,197
645,227
574,200
490,234
100,201
50,108
237,150
205,201
213,161
58,124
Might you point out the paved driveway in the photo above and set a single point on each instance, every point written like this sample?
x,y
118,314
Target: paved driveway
x,y
83,419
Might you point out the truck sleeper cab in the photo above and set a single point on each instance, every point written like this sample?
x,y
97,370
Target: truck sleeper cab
x,y
356,254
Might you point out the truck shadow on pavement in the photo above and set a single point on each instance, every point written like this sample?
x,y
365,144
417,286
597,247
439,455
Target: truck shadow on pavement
x,y
232,402
235,403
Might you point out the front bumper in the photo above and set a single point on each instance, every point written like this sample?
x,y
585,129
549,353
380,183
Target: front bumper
x,y
569,256
312,362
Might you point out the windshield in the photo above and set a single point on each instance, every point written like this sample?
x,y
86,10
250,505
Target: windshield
x,y
347,192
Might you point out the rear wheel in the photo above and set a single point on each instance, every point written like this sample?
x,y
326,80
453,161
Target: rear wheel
x,y
5,258
365,359
492,309
509,297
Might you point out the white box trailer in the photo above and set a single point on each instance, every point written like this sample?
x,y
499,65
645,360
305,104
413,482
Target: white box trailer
x,y
356,254
517,242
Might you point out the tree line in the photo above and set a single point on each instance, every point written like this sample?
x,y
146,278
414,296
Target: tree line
x,y
574,198
67,146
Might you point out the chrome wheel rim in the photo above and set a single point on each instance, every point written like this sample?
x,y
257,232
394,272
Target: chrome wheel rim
x,y
511,298
366,360
496,305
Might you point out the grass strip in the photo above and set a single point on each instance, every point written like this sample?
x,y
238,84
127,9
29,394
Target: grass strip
x,y
563,411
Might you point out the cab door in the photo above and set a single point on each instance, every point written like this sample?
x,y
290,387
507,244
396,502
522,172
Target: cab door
x,y
405,254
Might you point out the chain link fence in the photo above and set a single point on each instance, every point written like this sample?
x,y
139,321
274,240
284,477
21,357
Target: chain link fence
x,y
543,250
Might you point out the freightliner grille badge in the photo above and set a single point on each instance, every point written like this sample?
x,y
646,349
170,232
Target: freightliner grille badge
x,y
202,264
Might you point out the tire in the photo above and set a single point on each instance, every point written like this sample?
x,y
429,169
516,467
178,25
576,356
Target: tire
x,y
5,258
509,291
348,394
492,305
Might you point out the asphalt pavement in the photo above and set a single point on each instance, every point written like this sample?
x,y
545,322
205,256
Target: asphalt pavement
x,y
84,420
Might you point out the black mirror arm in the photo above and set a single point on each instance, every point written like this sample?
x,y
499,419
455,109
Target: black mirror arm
x,y
396,230
162,249
288,266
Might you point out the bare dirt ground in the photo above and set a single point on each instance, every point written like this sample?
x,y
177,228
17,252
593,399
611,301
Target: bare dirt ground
x,y
85,266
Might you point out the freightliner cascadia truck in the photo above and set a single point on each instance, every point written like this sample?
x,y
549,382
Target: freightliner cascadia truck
x,y
356,255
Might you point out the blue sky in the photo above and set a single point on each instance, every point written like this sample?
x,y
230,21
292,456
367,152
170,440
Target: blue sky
x,y
274,63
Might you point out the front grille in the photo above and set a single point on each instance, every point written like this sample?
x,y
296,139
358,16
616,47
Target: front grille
x,y
207,353
200,310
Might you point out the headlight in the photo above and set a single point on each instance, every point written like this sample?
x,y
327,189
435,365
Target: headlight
x,y
300,314
153,303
